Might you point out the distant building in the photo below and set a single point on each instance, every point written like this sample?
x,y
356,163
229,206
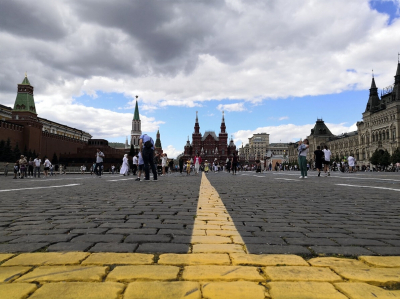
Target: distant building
x,y
259,148
379,129
136,128
209,146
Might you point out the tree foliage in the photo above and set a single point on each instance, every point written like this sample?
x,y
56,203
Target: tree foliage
x,y
396,156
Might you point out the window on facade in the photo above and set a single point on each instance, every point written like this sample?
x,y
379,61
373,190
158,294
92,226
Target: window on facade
x,y
394,135
373,137
387,134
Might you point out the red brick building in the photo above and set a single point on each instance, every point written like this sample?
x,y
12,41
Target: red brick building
x,y
210,146
22,126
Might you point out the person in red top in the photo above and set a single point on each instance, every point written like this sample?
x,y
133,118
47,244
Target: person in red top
x,y
197,162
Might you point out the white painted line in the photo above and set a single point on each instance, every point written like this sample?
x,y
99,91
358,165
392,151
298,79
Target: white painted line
x,y
286,179
121,180
33,188
358,186
346,177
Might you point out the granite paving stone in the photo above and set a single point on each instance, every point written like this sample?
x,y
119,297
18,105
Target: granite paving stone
x,y
70,246
98,238
113,247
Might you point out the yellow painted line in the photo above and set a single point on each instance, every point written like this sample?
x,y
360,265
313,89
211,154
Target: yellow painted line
x,y
212,216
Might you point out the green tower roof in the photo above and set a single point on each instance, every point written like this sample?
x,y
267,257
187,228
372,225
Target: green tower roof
x,y
26,81
136,115
24,101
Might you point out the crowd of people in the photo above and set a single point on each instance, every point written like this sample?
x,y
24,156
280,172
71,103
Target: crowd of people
x,y
148,160
29,168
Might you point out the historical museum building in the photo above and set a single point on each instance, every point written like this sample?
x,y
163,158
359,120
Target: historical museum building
x,y
22,126
379,129
209,146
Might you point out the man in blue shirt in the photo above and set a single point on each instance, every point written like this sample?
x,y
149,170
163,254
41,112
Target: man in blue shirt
x,y
146,146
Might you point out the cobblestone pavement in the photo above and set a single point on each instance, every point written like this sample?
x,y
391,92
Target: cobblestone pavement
x,y
345,214
215,236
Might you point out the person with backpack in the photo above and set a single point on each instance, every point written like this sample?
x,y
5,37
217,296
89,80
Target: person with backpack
x,y
146,147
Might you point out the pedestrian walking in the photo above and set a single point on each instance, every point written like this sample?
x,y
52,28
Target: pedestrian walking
x,y
99,162
16,169
352,161
140,166
188,163
206,167
46,165
22,166
180,165
234,163
197,162
327,160
125,165
30,168
146,146
37,162
6,169
303,151
134,164
318,157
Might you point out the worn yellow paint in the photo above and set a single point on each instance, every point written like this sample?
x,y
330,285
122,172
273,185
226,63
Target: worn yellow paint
x,y
267,260
382,261
109,258
194,259
161,289
303,290
65,273
8,274
16,290
79,290
233,290
375,276
212,216
359,290
144,272
210,240
218,248
5,256
221,273
47,258
334,262
301,273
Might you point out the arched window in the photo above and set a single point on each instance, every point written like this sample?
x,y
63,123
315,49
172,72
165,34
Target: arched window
x,y
387,135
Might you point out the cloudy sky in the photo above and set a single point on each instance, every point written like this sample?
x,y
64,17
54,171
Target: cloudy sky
x,y
273,66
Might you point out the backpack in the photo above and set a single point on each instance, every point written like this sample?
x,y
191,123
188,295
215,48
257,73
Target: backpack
x,y
148,144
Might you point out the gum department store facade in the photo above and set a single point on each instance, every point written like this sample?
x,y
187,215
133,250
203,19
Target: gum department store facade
x,y
379,129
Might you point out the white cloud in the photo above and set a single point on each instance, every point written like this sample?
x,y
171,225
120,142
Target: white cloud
x,y
283,118
231,107
288,132
171,151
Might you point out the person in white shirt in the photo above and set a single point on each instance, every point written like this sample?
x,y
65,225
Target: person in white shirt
x,y
352,162
99,162
37,163
46,165
134,164
164,159
327,162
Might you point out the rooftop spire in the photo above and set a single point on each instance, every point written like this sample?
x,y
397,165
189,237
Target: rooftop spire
x,y
197,117
223,116
136,114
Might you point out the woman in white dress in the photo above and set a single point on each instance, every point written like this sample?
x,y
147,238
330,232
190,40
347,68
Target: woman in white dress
x,y
125,165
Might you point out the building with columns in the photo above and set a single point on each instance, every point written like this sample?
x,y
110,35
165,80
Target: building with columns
x,y
378,130
209,146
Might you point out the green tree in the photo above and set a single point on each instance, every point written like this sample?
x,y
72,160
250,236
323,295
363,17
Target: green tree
x,y
395,158
375,157
16,152
54,161
8,155
2,146
384,159
132,151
